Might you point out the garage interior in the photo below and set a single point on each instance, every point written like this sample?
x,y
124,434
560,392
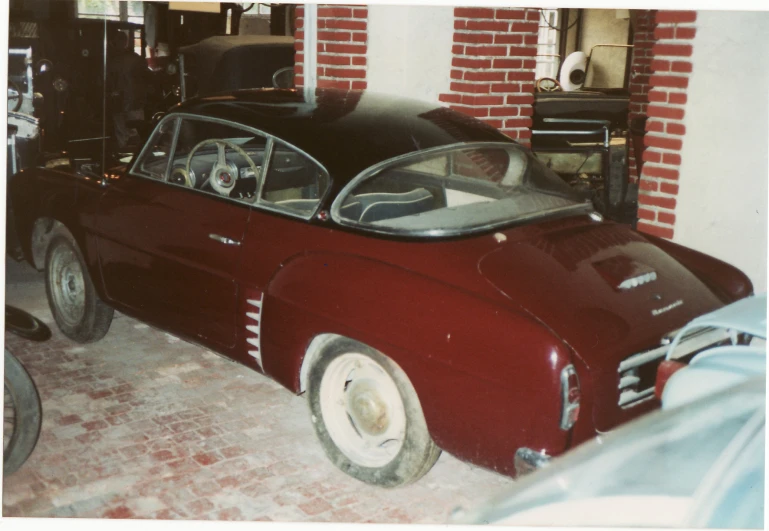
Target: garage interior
x,y
145,425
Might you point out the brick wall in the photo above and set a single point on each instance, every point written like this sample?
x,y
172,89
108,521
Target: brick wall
x,y
342,46
671,66
492,76
640,70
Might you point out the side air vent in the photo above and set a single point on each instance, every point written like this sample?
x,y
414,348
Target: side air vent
x,y
253,326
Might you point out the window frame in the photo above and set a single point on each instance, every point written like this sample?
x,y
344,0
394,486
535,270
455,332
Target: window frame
x,y
122,15
548,39
269,151
270,141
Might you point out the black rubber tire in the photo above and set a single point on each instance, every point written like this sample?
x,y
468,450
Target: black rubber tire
x,y
96,315
25,325
21,394
418,452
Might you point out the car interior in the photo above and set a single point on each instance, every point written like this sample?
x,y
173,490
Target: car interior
x,y
445,183
231,165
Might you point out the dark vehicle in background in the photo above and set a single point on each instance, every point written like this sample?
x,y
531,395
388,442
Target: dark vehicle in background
x,y
232,62
434,287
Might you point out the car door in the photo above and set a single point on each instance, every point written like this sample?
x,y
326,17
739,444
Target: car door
x,y
171,228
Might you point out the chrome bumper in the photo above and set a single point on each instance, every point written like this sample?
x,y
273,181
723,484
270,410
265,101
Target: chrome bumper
x,y
528,460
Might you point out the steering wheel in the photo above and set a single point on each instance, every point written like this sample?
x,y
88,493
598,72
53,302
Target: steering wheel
x,y
223,174
15,97
552,86
283,77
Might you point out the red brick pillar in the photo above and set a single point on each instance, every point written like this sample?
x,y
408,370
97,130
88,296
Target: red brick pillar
x,y
665,130
493,67
299,46
342,46
640,70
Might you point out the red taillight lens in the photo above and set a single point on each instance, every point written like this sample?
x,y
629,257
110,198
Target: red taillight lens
x,y
570,397
664,371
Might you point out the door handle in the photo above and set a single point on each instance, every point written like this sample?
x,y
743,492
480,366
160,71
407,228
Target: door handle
x,y
223,239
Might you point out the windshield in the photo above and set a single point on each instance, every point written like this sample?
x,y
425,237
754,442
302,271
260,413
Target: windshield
x,y
454,190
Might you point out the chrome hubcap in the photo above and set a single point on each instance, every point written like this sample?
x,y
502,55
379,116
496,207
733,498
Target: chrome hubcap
x,y
68,286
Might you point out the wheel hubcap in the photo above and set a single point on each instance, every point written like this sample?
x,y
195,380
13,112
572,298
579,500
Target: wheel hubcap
x,y
362,410
366,408
67,286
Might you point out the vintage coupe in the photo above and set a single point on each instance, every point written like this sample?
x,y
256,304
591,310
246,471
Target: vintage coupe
x,y
427,282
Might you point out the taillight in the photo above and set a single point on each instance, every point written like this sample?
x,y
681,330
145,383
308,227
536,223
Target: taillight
x,y
664,371
570,396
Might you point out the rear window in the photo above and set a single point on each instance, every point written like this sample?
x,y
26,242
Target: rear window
x,y
453,191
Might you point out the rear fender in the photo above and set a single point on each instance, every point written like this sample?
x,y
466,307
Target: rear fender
x,y
488,377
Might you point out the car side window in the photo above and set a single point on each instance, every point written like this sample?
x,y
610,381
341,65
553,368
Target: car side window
x,y
293,183
153,161
218,158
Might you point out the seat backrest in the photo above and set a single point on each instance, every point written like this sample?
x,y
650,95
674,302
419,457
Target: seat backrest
x,y
382,206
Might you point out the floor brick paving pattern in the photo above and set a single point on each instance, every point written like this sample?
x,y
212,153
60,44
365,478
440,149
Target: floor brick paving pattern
x,y
144,425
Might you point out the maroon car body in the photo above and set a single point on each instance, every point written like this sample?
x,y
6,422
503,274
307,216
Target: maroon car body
x,y
483,324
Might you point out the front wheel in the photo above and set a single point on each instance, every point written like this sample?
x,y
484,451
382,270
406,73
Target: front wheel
x,y
79,312
367,416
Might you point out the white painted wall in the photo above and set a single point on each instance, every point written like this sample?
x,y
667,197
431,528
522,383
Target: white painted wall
x,y
722,199
409,50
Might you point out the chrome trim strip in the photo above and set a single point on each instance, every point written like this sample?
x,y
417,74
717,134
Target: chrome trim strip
x,y
631,398
628,381
269,148
566,406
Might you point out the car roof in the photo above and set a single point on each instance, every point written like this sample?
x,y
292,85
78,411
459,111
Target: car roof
x,y
346,131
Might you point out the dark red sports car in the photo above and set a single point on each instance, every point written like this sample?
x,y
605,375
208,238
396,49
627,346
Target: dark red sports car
x,y
419,275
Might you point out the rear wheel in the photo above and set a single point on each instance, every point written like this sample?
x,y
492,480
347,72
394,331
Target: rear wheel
x,y
367,416
79,312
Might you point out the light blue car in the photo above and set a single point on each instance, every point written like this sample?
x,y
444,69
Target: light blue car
x,y
699,465
744,323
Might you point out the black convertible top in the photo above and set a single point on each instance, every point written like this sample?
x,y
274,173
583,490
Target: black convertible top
x,y
231,62
346,131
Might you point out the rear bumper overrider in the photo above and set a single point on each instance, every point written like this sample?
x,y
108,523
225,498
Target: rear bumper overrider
x,y
528,460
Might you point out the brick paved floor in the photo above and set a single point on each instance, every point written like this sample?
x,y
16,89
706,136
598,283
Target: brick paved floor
x,y
143,425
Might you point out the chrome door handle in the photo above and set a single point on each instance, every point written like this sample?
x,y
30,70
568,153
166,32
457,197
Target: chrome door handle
x,y
223,239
